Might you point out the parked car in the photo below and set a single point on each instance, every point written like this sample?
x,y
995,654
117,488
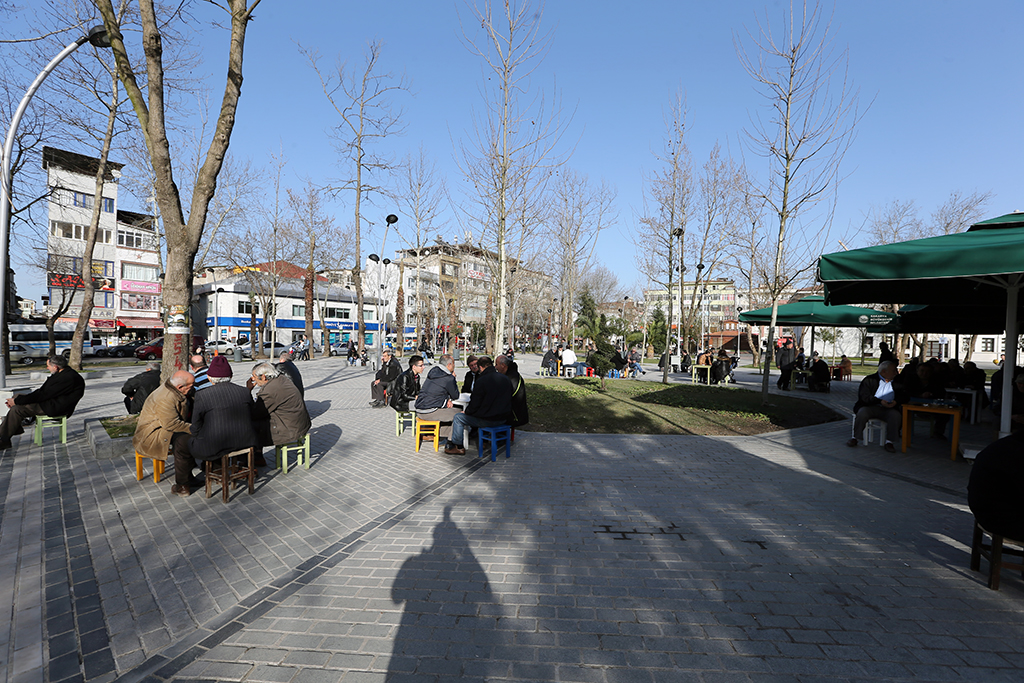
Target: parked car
x,y
126,349
22,354
152,350
278,349
339,349
220,346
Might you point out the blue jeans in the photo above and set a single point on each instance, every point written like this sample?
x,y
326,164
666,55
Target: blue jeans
x,y
459,426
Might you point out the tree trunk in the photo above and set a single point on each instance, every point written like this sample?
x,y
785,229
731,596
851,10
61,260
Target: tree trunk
x,y
307,290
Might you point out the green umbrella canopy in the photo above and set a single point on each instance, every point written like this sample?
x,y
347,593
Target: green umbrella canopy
x,y
813,310
914,318
968,268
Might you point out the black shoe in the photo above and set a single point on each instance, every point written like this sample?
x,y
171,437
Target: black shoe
x,y
889,447
5,444
851,443
182,491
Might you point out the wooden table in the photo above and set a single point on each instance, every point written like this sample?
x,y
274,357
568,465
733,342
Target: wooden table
x,y
908,427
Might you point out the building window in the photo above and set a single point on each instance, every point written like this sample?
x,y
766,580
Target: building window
x,y
988,344
245,307
340,313
68,231
367,314
298,311
133,239
139,302
83,200
108,205
139,272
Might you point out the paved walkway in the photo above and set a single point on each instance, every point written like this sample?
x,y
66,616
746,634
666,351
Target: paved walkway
x,y
783,557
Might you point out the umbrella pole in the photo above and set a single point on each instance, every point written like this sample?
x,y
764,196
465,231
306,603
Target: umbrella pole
x,y
956,349
1010,363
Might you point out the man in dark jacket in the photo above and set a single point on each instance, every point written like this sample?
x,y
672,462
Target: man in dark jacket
x,y
58,396
474,370
407,387
280,413
785,360
490,405
286,366
389,371
222,421
879,397
139,387
439,390
993,491
520,411
550,361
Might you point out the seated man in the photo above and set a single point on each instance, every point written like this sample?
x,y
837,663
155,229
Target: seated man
x,y
474,370
520,411
166,413
490,406
568,359
389,371
550,361
198,366
845,366
221,423
137,388
634,362
58,396
407,387
993,491
879,397
286,366
820,377
280,413
434,402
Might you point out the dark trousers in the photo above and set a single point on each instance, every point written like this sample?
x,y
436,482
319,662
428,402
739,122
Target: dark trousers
x,y
11,425
377,391
786,377
183,460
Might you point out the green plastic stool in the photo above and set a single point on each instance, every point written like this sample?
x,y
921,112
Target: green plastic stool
x,y
301,447
43,421
401,416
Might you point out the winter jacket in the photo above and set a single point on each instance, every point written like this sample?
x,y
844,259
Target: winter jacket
x,y
439,387
280,412
139,387
520,411
288,368
222,421
165,413
404,389
59,394
785,357
869,387
492,396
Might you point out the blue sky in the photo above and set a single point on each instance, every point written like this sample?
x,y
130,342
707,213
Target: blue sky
x,y
943,79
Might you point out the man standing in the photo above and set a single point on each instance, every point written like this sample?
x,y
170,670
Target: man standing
x,y
439,390
198,365
58,396
407,386
785,359
164,415
490,405
222,422
879,397
389,371
139,387
474,370
286,366
520,411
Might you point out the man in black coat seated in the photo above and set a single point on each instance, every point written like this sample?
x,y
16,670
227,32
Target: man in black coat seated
x,y
995,487
138,388
879,397
407,387
286,366
474,370
821,377
58,396
222,421
490,405
389,371
550,361
520,411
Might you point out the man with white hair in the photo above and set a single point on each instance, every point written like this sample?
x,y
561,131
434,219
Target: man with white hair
x,y
164,417
879,397
280,413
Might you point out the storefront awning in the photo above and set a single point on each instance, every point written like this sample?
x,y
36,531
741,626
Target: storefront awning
x,y
140,323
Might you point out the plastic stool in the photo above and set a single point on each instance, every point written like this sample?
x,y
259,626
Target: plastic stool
x,y
569,371
430,429
496,435
158,468
401,416
545,372
301,447
590,372
871,428
43,421
996,553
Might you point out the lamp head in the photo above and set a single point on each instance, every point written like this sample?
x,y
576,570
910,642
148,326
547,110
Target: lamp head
x,y
391,219
98,36
374,258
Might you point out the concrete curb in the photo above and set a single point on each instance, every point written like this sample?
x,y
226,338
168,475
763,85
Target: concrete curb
x,y
103,447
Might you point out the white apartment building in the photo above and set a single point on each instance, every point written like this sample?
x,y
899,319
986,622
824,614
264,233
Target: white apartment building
x,y
126,258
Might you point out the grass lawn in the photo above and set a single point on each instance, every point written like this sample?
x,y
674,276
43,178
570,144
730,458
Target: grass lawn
x,y
120,426
579,406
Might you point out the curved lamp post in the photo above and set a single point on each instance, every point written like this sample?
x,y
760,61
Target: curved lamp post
x,y
97,37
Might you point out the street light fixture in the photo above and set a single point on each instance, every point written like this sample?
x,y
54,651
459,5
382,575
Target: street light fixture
x,y
97,37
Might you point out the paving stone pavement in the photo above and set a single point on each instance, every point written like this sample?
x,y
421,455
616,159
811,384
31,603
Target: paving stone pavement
x,y
783,557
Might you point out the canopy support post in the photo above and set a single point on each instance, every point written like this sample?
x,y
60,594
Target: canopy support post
x,y
1010,362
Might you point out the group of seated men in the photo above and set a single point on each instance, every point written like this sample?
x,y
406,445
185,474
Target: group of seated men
x,y
202,424
497,395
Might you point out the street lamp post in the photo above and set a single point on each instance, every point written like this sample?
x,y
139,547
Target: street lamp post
x,y
97,37
739,309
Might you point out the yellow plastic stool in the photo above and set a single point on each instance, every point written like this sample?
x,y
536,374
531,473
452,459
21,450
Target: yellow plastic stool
x,y
42,422
158,468
301,447
428,429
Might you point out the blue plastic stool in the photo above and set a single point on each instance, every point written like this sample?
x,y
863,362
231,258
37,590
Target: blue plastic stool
x,y
495,435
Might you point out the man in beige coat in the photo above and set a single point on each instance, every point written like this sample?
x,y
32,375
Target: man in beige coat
x,y
165,413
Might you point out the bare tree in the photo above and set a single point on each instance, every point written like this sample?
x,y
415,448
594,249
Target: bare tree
x,y
602,283
811,126
670,190
362,98
314,230
183,235
961,210
512,149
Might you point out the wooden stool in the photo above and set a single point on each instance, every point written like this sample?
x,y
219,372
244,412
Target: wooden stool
x,y
301,447
401,417
229,472
496,435
158,468
430,430
995,553
42,422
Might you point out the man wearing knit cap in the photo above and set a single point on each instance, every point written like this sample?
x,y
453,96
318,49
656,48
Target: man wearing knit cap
x,y
221,423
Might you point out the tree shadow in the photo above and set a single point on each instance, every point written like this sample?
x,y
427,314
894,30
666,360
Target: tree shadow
x,y
445,590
